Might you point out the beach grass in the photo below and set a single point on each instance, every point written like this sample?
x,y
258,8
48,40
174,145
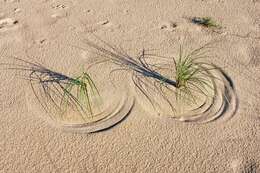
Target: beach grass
x,y
191,74
205,21
56,92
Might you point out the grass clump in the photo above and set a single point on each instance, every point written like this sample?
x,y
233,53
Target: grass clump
x,y
62,96
192,75
189,77
84,89
205,21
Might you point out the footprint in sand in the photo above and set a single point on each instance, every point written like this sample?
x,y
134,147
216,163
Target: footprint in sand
x,y
108,25
7,24
59,15
168,26
41,41
88,11
59,11
17,10
99,25
104,23
59,6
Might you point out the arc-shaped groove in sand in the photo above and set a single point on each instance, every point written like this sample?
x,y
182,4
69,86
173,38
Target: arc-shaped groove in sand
x,y
223,104
149,81
47,89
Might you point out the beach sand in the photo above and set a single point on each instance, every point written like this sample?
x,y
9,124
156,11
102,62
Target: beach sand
x,y
49,32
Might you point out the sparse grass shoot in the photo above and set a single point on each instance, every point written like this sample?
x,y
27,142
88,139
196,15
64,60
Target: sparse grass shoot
x,y
84,90
63,97
205,21
192,75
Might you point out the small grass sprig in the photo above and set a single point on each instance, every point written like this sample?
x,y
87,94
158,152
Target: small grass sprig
x,y
205,21
192,76
84,89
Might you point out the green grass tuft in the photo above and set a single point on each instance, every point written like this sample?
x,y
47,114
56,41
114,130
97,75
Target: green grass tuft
x,y
190,78
83,89
205,21
193,76
60,95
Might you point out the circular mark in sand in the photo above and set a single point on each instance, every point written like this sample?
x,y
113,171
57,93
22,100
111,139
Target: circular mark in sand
x,y
79,104
106,113
106,119
220,102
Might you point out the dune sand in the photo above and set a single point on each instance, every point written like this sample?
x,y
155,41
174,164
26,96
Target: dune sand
x,y
49,32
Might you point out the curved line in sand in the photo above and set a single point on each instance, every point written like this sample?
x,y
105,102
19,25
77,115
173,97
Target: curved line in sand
x,y
223,104
105,119
111,118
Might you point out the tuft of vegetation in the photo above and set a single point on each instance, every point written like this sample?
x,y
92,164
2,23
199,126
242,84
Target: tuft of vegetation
x,y
190,76
205,21
84,89
58,93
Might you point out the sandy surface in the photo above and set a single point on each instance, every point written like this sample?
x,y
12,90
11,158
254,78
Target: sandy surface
x,y
47,31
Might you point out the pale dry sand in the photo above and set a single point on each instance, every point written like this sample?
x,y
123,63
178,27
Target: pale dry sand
x,y
47,30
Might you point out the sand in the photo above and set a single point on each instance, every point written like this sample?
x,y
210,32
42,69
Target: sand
x,y
48,31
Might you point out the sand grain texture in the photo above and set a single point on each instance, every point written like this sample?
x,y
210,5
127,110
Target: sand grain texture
x,y
48,31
